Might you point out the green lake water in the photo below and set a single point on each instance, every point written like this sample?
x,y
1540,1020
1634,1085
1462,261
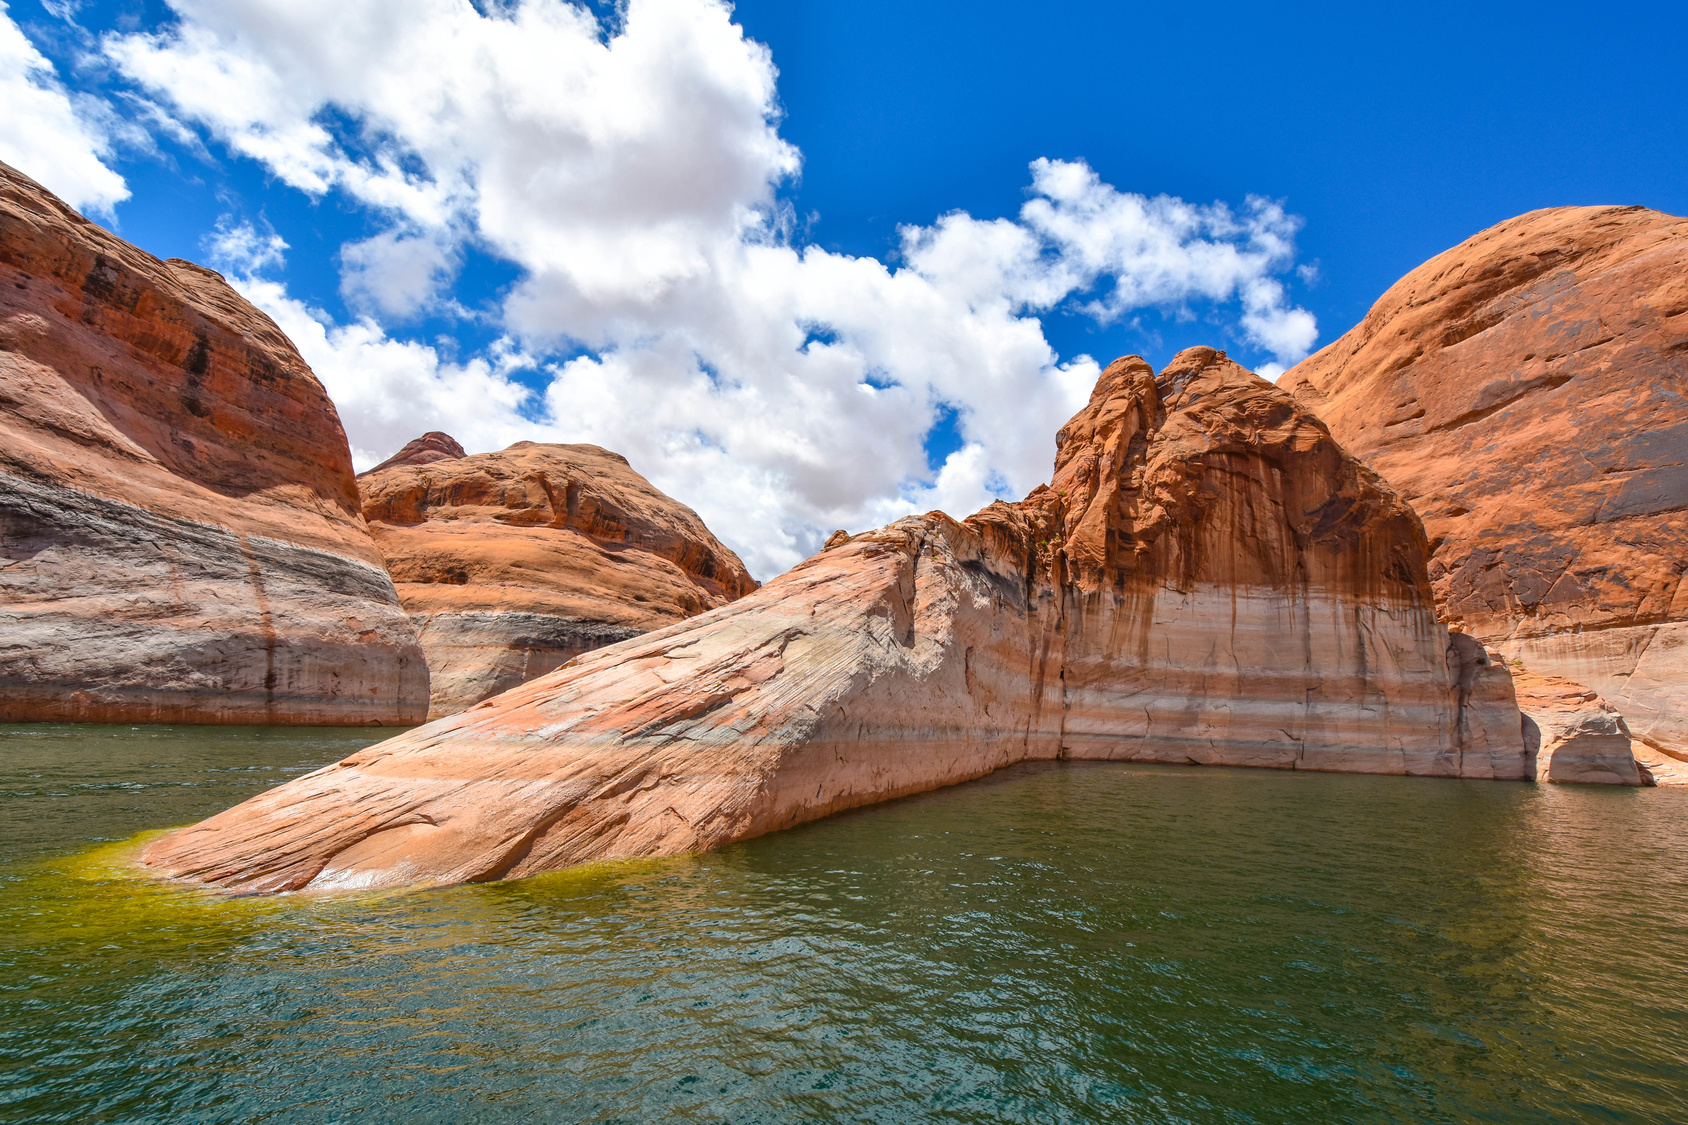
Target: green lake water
x,y
1064,943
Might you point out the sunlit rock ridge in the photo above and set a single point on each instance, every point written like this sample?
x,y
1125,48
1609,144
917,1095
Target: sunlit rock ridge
x,y
1209,578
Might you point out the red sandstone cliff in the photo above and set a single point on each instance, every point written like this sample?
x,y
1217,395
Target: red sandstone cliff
x,y
1527,391
1209,579
513,563
180,538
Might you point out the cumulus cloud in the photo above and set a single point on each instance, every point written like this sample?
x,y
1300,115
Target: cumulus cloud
x,y
243,249
663,308
389,391
42,133
398,273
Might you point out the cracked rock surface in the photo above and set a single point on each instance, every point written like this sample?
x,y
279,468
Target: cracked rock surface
x,y
1209,578
1527,392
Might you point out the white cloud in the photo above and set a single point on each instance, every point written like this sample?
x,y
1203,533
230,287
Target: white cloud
x,y
1287,333
389,391
41,132
780,389
398,273
242,249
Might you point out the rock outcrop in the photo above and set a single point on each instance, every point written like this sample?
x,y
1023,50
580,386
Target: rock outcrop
x,y
1574,735
1527,392
1657,768
513,563
180,538
425,450
1209,579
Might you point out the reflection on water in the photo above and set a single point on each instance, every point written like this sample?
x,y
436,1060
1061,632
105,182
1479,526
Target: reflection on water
x,y
1063,943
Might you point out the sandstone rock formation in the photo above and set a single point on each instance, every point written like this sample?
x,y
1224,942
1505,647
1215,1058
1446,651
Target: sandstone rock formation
x,y
513,563
1574,735
1209,579
1526,392
180,538
425,450
1659,769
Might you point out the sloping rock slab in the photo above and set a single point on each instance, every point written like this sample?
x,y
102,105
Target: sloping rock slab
x,y
1209,579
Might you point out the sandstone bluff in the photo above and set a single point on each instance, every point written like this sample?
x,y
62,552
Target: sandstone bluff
x,y
513,563
180,538
1527,392
1209,578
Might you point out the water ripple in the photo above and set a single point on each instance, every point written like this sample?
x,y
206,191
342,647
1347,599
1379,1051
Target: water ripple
x,y
1054,944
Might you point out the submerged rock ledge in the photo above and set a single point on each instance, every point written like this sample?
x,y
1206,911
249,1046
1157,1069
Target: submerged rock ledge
x,y
1208,579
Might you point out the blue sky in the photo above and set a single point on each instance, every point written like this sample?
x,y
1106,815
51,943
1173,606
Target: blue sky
x,y
733,264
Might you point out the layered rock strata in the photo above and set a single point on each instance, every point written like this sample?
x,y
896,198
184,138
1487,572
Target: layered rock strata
x,y
1525,391
1573,734
1209,579
180,537
514,563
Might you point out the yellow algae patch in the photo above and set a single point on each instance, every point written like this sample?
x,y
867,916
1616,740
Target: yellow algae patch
x,y
596,876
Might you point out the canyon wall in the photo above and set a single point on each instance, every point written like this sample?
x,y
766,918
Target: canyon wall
x,y
1527,392
1209,578
513,563
180,538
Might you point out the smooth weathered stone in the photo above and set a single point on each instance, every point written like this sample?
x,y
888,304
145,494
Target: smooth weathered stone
x,y
1574,735
1525,392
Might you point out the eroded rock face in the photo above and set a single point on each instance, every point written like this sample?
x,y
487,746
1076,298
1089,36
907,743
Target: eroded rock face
x,y
514,563
179,530
1208,579
1574,735
1526,392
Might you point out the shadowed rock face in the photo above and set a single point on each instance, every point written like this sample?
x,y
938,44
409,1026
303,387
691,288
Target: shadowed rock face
x,y
1525,391
1208,579
1574,735
514,563
179,530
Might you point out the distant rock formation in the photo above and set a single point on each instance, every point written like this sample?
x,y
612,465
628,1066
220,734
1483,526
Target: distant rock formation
x,y
1574,735
513,563
179,531
425,450
1527,392
1209,579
